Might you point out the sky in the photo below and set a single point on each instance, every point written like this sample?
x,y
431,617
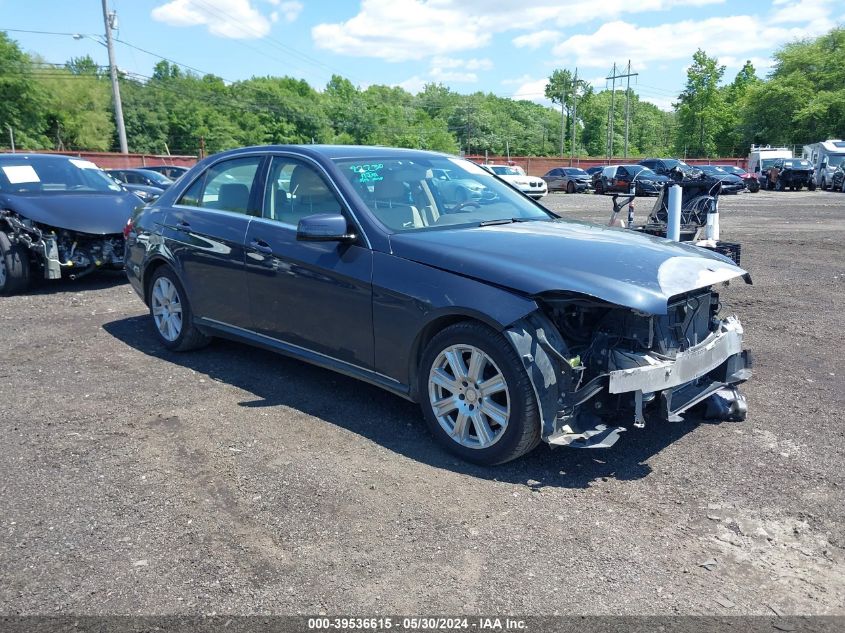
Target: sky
x,y
506,47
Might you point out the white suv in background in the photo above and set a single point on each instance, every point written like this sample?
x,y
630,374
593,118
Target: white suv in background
x,y
533,186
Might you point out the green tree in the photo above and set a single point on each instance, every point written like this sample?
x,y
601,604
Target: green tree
x,y
23,100
700,107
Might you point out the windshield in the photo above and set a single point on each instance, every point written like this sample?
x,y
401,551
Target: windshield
x,y
576,172
711,169
731,169
51,174
156,177
504,170
411,194
768,162
672,163
640,171
835,159
797,164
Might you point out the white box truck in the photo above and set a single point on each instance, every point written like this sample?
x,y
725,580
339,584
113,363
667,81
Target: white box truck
x,y
761,158
825,157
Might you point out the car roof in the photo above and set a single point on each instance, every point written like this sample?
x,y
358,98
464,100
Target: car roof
x,y
335,152
26,155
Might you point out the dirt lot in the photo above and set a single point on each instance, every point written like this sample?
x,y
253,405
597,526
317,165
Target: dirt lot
x,y
231,480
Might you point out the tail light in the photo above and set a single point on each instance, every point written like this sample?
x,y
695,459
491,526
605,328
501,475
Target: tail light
x,y
127,229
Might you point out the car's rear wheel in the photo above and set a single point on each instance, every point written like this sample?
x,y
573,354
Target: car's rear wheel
x,y
476,397
171,313
14,267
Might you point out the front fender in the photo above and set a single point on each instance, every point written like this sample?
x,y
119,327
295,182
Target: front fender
x,y
412,301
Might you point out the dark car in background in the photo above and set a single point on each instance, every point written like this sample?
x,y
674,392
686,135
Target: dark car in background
x,y
750,180
671,168
58,215
731,183
171,171
619,179
568,179
504,322
145,194
143,177
791,173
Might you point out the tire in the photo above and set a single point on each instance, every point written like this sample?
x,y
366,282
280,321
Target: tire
x,y
14,267
754,187
570,188
779,185
823,185
512,430
599,188
169,297
812,186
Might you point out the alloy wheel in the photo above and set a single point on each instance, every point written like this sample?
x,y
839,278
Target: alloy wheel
x,y
167,309
469,396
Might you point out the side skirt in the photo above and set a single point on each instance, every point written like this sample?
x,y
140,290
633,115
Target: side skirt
x,y
231,332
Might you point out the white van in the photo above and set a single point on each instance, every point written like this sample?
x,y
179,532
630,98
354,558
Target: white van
x,y
825,156
762,157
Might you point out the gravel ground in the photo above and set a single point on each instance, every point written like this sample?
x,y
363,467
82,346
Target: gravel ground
x,y
232,480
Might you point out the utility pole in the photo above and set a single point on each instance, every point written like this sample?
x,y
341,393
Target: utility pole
x,y
562,122
109,19
610,126
11,137
574,117
610,118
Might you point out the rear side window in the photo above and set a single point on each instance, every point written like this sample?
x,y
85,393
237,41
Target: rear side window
x,y
227,186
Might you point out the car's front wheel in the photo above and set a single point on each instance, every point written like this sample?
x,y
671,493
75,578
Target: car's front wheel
x,y
476,396
570,188
171,313
14,266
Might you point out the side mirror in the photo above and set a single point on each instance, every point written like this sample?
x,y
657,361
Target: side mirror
x,y
324,227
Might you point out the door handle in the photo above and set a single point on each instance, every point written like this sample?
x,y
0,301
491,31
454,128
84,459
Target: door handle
x,y
183,226
261,246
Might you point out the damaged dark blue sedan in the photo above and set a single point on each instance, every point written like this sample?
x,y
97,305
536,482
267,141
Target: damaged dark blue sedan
x,y
508,325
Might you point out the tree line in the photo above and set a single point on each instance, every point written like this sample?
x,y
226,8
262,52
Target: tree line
x,y
68,107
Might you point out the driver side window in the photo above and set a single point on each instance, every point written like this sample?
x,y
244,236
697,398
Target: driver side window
x,y
295,190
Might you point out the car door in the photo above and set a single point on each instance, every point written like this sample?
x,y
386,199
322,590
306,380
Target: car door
x,y
205,232
316,295
555,179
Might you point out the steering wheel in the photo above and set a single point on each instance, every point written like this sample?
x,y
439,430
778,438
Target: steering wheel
x,y
459,208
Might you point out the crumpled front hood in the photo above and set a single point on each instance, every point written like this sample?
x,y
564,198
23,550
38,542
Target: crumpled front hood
x,y
615,265
94,213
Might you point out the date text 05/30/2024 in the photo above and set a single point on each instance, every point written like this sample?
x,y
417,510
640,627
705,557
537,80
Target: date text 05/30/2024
x,y
415,623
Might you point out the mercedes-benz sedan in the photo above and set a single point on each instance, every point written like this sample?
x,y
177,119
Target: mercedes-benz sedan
x,y
508,325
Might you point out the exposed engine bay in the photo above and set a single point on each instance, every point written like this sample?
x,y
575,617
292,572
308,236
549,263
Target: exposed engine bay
x,y
56,250
616,365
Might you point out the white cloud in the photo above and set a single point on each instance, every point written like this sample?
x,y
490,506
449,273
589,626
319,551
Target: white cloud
x,y
237,19
290,10
468,64
414,84
736,36
402,30
801,11
532,90
664,103
536,39
455,76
